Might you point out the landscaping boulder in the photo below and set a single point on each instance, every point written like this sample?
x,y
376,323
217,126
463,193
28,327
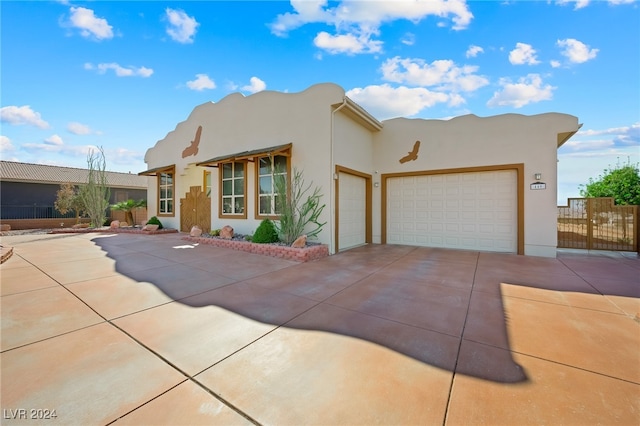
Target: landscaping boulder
x,y
196,231
115,224
300,242
150,227
226,232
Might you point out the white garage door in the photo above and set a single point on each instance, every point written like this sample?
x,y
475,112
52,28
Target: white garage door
x,y
352,211
475,211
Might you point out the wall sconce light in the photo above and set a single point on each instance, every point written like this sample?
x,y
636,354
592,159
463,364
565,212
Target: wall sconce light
x,y
376,184
538,176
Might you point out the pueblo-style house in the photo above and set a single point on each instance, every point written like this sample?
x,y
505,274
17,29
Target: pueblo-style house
x,y
476,183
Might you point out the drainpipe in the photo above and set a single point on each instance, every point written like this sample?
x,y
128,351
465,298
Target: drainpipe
x,y
333,181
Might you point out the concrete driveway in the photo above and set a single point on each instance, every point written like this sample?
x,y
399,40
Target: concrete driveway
x,y
139,329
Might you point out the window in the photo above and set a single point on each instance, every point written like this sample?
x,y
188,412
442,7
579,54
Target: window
x,y
121,196
269,169
165,193
206,184
232,189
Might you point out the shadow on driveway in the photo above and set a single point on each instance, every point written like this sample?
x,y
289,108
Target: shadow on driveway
x,y
441,307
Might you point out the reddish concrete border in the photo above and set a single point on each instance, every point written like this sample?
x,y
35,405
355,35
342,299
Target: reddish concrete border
x,y
112,231
304,254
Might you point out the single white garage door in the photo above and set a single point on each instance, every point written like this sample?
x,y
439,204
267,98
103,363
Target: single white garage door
x,y
352,195
474,211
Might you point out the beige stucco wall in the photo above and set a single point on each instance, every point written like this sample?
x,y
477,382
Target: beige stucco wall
x,y
353,146
239,123
471,141
323,136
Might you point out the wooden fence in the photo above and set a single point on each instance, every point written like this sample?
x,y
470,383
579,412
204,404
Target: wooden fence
x,y
597,224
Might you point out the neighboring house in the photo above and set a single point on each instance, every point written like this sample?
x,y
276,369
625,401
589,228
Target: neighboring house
x,y
28,191
462,183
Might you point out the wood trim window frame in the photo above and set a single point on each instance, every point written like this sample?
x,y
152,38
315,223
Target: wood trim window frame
x,y
221,195
161,184
272,215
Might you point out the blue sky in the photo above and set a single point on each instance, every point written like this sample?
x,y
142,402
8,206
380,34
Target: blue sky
x,y
122,74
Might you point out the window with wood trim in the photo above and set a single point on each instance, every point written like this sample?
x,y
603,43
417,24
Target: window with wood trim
x,y
233,189
166,193
268,170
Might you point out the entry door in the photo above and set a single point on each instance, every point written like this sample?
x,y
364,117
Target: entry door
x,y
352,202
195,209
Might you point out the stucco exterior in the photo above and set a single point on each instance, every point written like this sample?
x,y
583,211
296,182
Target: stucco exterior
x,y
330,134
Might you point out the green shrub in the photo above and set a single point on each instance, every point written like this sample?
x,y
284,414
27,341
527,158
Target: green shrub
x,y
214,232
266,233
155,221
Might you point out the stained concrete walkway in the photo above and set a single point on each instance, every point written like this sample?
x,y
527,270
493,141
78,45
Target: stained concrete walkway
x,y
135,329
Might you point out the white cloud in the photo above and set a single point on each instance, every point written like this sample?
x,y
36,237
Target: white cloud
x,y
255,85
201,82
89,25
523,54
357,21
305,12
409,39
182,27
555,64
384,101
120,71
576,51
55,145
620,136
579,4
441,74
347,43
527,90
54,140
22,115
78,128
5,144
473,51
124,156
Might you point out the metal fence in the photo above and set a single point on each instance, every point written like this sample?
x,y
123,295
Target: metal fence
x,y
32,212
597,224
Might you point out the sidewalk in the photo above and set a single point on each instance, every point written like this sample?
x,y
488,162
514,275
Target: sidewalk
x,y
149,330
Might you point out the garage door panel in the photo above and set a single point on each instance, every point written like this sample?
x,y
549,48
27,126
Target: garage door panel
x,y
476,210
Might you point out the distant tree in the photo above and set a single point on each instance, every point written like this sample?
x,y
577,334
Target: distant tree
x,y
621,182
95,193
128,207
68,199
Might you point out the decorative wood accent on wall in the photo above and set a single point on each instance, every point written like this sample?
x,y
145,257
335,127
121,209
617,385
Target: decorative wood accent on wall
x,y
411,155
192,149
